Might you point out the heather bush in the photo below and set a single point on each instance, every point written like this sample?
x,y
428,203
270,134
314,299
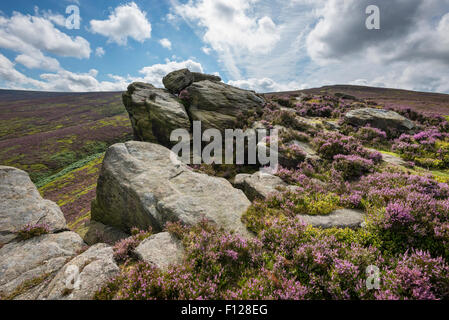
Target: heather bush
x,y
371,136
33,230
284,118
352,166
291,155
332,143
123,249
289,135
428,148
415,276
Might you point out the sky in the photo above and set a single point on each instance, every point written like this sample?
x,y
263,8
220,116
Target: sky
x,y
262,45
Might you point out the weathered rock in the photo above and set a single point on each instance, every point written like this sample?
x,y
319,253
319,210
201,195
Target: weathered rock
x,y
161,250
391,159
331,125
220,106
35,260
154,113
344,218
378,118
81,277
178,80
197,77
21,204
258,185
308,150
145,185
96,232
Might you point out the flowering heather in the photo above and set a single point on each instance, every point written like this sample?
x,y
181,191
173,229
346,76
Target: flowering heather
x,y
371,136
286,261
415,276
33,230
429,148
352,166
123,249
332,143
291,155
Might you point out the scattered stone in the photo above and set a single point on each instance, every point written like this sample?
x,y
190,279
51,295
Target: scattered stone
x,y
97,233
33,261
154,113
379,118
308,150
391,159
21,204
258,185
145,185
331,125
344,218
161,250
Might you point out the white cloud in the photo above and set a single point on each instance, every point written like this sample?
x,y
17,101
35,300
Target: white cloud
x,y
37,60
12,77
264,85
231,28
99,52
25,33
127,21
66,81
165,43
154,74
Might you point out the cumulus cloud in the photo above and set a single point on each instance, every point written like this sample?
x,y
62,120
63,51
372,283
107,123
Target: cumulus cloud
x,y
264,85
165,43
341,31
67,81
25,33
154,74
126,21
231,28
13,78
35,59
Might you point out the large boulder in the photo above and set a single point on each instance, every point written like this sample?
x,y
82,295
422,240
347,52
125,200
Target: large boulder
x,y
21,204
25,264
154,113
220,106
145,185
178,80
161,250
385,120
81,277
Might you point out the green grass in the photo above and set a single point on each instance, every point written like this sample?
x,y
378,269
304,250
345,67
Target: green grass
x,y
68,169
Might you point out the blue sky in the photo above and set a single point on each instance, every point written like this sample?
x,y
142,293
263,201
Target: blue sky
x,y
264,45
